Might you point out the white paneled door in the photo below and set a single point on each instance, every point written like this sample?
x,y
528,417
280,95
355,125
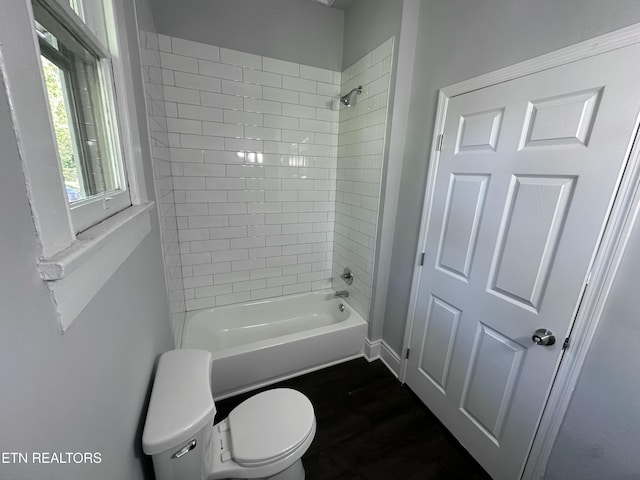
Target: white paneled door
x,y
527,174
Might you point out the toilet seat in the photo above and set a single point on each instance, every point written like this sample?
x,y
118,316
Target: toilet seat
x,y
269,426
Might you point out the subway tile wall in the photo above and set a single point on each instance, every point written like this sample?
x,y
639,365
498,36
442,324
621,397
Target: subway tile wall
x,y
249,157
157,119
361,144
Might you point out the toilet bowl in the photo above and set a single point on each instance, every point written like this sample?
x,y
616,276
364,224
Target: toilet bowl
x,y
262,438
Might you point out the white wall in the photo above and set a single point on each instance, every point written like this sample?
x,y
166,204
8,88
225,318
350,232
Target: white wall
x,y
368,24
299,31
253,144
85,390
599,435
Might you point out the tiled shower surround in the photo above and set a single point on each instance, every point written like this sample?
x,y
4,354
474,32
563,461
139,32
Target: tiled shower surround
x,y
253,156
253,147
361,144
157,116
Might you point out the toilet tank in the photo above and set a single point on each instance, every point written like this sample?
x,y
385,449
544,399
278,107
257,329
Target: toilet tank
x,y
178,428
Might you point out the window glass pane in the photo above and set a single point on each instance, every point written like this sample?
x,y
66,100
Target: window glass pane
x,y
81,116
76,6
92,14
95,20
100,170
60,113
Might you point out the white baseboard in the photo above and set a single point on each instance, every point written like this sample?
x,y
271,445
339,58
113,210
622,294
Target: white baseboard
x,y
390,358
379,349
372,349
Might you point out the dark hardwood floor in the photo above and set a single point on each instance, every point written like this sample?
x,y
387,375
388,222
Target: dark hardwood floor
x,y
369,427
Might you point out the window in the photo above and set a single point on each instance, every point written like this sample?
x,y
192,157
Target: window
x,y
78,77
70,69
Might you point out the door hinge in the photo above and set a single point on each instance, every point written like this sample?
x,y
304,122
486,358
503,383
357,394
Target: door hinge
x,y
439,141
422,258
565,344
407,354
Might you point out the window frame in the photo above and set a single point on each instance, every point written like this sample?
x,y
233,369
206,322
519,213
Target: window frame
x,y
92,210
74,267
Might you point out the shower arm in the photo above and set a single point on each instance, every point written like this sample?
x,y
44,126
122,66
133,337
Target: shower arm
x,y
346,99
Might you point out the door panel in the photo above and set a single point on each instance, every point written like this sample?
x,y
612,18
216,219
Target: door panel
x,y
528,238
562,120
437,345
460,231
479,131
526,178
490,381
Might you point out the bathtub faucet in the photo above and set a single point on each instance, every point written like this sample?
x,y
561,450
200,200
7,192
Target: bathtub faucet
x,y
341,294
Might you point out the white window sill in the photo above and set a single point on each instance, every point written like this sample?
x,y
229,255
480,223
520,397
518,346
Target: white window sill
x,y
75,275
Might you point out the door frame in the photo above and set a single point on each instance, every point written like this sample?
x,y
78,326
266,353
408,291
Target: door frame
x,y
608,254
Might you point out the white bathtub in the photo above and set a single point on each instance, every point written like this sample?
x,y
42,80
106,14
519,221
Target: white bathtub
x,y
258,343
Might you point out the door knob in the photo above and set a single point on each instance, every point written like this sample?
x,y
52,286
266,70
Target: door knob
x,y
543,337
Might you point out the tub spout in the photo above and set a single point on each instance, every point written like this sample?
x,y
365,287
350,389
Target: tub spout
x,y
341,294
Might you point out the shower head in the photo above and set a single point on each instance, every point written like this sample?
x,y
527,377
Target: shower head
x,y
346,99
328,3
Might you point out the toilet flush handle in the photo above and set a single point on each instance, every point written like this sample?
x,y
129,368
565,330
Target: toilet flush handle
x,y
184,450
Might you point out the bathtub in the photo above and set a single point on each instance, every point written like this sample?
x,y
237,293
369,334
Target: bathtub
x,y
262,342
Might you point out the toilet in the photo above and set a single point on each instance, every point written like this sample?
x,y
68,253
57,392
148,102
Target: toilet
x,y
262,438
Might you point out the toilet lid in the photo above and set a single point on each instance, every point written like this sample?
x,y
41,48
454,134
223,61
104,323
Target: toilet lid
x,y
268,426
